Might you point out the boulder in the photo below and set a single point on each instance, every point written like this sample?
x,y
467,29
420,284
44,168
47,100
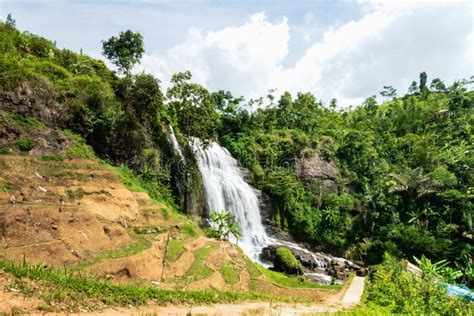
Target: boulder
x,y
286,262
311,168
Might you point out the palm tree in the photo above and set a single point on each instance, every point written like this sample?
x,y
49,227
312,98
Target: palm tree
x,y
414,183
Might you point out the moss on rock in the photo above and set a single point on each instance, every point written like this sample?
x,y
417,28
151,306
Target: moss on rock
x,y
286,262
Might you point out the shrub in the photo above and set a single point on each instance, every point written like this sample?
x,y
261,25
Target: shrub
x,y
402,293
24,144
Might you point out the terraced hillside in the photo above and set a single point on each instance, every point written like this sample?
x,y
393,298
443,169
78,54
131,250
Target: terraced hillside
x,y
62,211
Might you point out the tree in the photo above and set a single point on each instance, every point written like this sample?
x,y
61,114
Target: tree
x,y
389,92
143,94
414,182
124,51
192,107
423,79
10,22
413,88
333,104
370,105
438,85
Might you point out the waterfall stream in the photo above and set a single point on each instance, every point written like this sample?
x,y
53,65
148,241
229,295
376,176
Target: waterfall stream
x,y
175,143
226,189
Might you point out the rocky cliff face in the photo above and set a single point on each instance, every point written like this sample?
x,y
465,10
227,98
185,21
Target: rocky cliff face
x,y
312,169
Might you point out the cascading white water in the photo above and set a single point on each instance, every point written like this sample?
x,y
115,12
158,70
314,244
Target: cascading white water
x,y
175,143
226,189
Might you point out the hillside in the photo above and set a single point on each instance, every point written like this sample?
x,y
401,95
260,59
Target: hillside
x,y
77,213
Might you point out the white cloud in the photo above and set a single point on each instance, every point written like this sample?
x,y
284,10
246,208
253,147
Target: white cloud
x,y
390,45
238,58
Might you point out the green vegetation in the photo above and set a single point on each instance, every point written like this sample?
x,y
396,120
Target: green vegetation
x,y
175,250
230,272
139,184
285,261
24,144
125,50
5,185
191,230
398,292
404,182
78,148
223,225
293,281
136,245
199,270
77,290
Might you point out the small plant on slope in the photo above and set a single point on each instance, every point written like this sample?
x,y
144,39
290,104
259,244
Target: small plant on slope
x,y
223,224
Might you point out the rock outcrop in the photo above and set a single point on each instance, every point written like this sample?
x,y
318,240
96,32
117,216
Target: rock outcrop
x,y
311,168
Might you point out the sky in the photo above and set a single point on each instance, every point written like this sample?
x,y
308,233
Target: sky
x,y
346,50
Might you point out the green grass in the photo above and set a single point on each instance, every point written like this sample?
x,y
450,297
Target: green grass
x,y
230,272
51,158
138,244
76,290
191,230
5,185
78,148
175,250
73,195
136,184
26,123
293,281
24,144
166,214
198,270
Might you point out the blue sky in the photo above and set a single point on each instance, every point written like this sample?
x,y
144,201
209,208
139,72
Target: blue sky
x,y
342,49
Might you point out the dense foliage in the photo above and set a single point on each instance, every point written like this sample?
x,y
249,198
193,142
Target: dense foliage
x,y
406,171
393,290
405,183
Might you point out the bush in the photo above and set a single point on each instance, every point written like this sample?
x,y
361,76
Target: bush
x,y
286,262
403,293
24,144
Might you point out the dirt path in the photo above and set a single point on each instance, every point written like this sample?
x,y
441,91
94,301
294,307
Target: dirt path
x,y
350,299
354,292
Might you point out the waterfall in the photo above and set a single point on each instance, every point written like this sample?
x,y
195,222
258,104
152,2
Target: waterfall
x,y
175,143
226,189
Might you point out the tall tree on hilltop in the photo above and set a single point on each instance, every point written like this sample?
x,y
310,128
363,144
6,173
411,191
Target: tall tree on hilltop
x,y
124,51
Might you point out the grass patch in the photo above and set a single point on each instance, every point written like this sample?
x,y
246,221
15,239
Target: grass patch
x,y
136,184
230,272
25,122
78,148
166,214
293,281
56,172
63,286
24,144
73,195
175,250
5,185
137,244
198,270
51,158
190,229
